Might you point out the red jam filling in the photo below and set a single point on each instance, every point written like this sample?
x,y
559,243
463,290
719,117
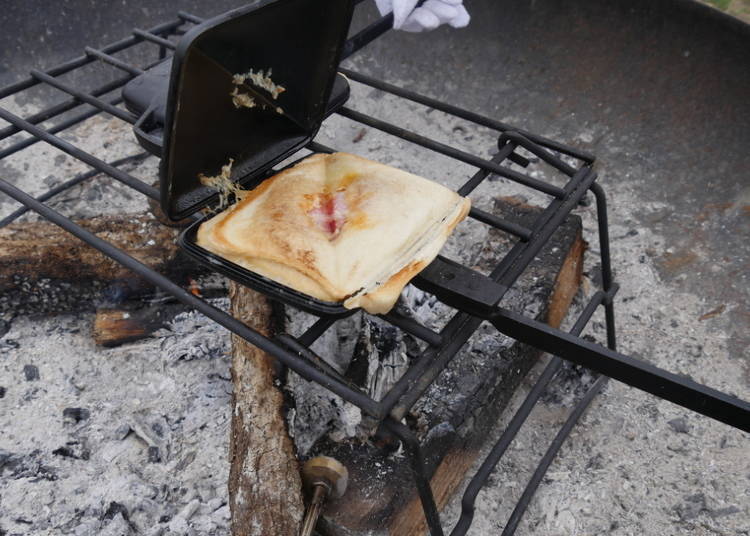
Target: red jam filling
x,y
329,212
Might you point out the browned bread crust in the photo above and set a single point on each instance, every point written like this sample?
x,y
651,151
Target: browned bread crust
x,y
338,227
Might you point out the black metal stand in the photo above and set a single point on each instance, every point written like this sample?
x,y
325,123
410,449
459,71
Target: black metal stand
x,y
480,300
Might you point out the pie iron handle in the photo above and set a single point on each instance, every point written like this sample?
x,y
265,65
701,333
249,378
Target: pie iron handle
x,y
460,287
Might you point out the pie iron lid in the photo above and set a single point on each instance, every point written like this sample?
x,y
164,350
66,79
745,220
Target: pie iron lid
x,y
300,41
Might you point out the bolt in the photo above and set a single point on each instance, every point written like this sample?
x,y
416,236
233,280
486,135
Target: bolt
x,y
324,477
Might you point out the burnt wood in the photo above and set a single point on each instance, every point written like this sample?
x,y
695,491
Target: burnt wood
x,y
45,269
113,327
465,401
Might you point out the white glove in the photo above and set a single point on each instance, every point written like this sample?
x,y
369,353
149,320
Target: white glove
x,y
428,16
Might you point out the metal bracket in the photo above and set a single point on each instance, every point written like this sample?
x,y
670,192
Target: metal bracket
x,y
460,287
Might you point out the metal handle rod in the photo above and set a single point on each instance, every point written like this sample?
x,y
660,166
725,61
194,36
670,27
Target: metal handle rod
x,y
634,372
353,44
367,35
476,484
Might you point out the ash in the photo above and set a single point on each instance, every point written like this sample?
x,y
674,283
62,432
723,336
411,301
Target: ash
x,y
149,453
190,337
130,440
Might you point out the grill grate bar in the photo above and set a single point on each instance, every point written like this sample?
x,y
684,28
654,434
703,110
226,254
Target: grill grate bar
x,y
515,138
479,177
81,155
85,97
447,150
304,352
509,227
67,185
422,482
61,108
54,130
413,327
314,332
116,62
465,114
85,60
149,36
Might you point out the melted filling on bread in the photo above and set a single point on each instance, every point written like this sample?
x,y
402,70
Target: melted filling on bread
x,y
329,212
224,185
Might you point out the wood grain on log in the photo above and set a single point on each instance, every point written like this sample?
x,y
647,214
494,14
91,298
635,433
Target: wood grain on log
x,y
45,269
265,489
113,327
42,250
567,283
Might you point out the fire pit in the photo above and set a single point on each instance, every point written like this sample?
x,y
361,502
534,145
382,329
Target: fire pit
x,y
472,296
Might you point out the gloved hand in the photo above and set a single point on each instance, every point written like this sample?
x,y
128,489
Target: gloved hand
x,y
428,16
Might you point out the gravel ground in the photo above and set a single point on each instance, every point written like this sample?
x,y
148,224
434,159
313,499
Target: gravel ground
x,y
132,440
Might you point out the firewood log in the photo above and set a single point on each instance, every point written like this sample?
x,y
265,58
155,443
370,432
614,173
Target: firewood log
x,y
45,269
265,489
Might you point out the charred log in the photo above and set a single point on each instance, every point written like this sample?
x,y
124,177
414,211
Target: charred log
x,y
455,414
45,269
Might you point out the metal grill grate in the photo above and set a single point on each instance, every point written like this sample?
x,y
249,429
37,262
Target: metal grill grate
x,y
574,169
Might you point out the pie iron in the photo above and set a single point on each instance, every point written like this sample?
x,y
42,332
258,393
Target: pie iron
x,y
146,97
300,43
